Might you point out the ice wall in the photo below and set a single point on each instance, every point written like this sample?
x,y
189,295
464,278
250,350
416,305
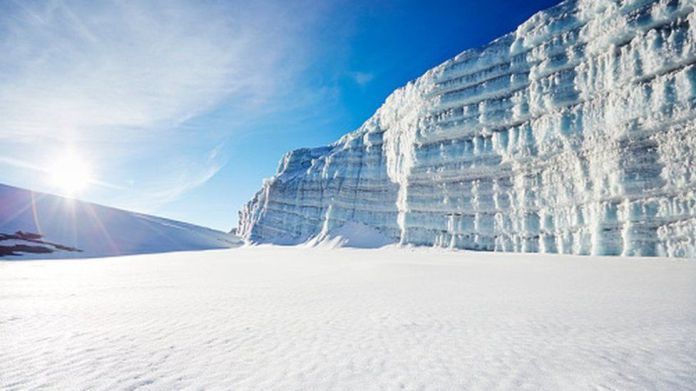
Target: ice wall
x,y
576,133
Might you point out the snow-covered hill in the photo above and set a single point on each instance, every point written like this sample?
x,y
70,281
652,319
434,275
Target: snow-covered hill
x,y
37,225
574,134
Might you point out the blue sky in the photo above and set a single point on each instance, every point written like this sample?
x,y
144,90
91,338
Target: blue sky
x,y
181,108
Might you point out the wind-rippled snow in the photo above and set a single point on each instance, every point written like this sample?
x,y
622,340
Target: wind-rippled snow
x,y
298,318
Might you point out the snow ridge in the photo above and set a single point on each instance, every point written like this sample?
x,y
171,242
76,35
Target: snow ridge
x,y
573,134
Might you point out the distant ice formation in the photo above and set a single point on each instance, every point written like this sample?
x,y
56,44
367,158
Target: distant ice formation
x,y
574,134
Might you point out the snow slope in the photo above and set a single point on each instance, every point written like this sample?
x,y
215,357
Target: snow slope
x,y
288,318
574,134
350,234
72,228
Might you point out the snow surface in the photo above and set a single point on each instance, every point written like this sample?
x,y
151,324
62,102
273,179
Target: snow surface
x,y
296,318
97,230
574,134
350,234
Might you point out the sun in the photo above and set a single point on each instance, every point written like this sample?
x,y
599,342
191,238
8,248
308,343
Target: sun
x,y
70,173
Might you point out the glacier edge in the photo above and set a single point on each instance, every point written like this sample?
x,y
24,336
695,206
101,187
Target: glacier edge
x,y
573,134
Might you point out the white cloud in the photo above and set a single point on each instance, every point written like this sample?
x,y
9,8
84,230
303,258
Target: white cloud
x,y
88,67
101,73
188,178
362,78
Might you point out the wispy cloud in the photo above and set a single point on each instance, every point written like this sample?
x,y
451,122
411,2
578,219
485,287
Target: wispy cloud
x,y
18,163
188,177
90,66
103,73
362,78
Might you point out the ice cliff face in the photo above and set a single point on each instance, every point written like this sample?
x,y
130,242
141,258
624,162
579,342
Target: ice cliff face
x,y
574,134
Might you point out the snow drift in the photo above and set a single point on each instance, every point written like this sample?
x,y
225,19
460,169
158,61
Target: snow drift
x,y
573,134
350,234
37,225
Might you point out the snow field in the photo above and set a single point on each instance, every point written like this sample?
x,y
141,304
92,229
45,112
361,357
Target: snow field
x,y
295,318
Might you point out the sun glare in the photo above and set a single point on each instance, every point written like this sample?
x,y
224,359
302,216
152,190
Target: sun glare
x,y
70,174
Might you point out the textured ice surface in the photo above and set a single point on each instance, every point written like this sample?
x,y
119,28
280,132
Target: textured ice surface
x,y
270,318
574,134
97,230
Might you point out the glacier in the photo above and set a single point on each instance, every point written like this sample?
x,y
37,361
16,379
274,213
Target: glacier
x,y
574,134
